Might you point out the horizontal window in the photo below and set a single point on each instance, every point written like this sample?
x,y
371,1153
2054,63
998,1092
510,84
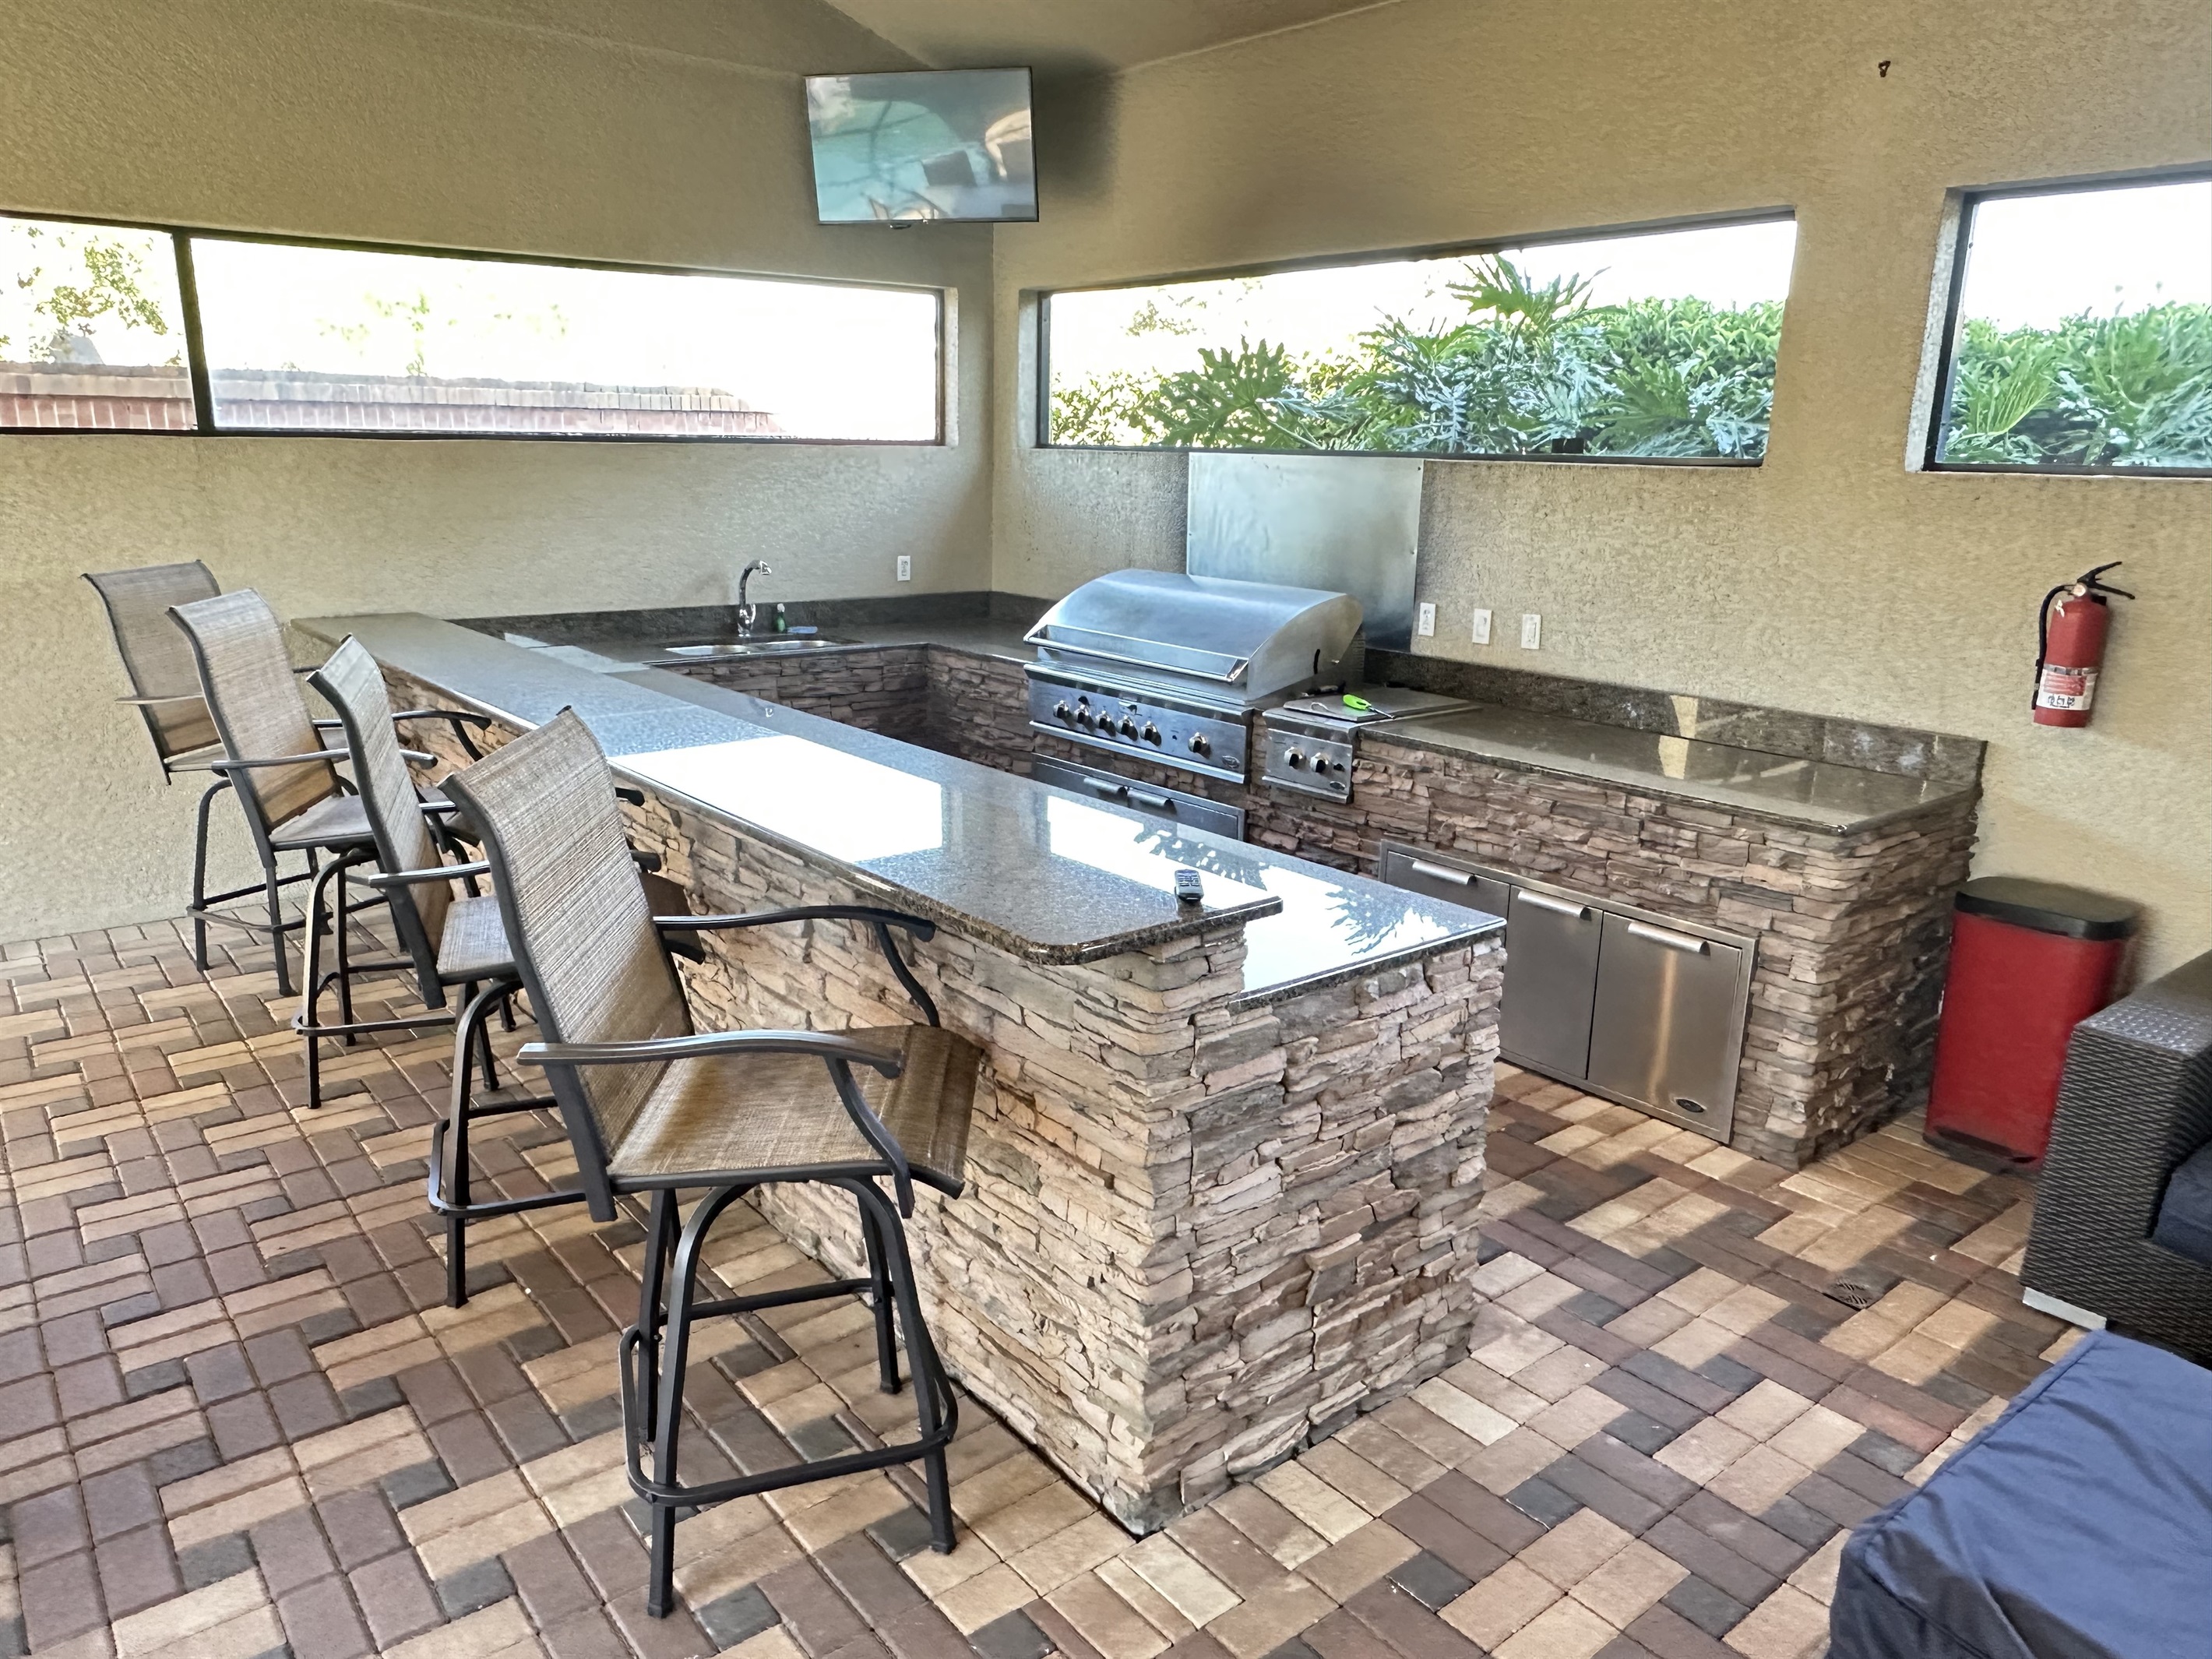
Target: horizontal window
x,y
91,329
2080,337
319,339
1653,345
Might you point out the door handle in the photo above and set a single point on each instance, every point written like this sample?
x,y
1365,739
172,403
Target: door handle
x,y
1442,873
1556,906
1137,797
1106,787
1668,936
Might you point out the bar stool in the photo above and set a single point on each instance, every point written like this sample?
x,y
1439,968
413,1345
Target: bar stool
x,y
273,758
449,941
165,693
652,1106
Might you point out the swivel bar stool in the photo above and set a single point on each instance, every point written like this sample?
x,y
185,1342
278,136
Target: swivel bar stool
x,y
653,1106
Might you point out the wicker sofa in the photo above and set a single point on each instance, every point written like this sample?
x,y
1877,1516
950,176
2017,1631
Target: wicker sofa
x,y
2124,1210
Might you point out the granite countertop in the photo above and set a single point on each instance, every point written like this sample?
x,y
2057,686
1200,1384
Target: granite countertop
x,y
1823,795
1001,640
1806,793
1038,872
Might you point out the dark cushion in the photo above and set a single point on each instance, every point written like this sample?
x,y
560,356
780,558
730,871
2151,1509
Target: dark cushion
x,y
2076,1525
2185,1214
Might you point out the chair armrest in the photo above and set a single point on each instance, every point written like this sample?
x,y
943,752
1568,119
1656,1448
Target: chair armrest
x,y
435,873
879,922
156,702
459,719
916,926
829,1045
227,764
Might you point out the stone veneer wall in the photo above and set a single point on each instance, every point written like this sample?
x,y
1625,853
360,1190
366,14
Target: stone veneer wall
x,y
1194,1238
1852,931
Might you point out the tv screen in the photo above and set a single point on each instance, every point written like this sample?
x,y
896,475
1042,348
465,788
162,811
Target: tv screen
x,y
923,144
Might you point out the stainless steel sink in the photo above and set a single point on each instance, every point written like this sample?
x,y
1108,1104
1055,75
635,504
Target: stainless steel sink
x,y
766,645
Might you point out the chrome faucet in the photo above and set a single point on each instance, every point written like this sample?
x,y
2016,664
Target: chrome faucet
x,y
747,609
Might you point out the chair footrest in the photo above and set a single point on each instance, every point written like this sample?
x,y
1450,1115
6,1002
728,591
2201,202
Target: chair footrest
x,y
677,1496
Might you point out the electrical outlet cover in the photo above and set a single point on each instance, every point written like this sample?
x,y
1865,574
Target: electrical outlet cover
x,y
1482,628
1425,621
1532,631
905,568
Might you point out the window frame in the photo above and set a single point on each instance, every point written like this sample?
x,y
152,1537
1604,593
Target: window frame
x,y
1043,391
204,425
1962,232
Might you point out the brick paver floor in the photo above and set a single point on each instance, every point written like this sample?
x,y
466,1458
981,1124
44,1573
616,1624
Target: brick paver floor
x,y
236,1419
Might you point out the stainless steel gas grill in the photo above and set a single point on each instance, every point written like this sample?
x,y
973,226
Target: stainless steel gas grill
x,y
1173,668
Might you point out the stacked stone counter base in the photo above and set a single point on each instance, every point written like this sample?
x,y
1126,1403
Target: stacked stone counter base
x,y
1199,1231
1852,929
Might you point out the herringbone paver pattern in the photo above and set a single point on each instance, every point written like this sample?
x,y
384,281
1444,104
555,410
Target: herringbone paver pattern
x,y
236,1419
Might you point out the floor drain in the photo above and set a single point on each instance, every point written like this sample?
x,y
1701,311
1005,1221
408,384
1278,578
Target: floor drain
x,y
1852,1294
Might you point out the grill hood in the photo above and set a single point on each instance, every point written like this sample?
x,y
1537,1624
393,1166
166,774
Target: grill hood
x,y
1238,639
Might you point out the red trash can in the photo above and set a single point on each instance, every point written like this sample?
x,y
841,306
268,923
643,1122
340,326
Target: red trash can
x,y
2029,961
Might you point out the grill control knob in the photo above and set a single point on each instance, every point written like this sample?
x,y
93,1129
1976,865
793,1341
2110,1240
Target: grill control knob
x,y
1128,728
1200,745
1152,734
1061,711
1296,760
1083,716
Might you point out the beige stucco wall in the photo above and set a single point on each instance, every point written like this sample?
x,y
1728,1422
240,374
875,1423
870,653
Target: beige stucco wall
x,y
661,133
1833,579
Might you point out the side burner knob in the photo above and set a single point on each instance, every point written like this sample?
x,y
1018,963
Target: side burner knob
x,y
1200,745
1296,760
1061,711
1152,734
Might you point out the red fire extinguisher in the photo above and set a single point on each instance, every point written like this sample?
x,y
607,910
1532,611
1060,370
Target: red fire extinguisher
x,y
2070,628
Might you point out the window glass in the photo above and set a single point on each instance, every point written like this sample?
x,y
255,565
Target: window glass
x,y
91,330
2083,332
347,340
1658,344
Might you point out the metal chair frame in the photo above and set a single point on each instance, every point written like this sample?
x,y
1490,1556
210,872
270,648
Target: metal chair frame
x,y
654,1352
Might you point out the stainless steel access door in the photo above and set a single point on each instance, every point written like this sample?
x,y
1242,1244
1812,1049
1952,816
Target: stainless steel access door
x,y
1551,980
1667,1029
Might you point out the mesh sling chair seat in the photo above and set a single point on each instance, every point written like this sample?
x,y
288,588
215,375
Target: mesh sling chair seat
x,y
274,757
653,1106
449,941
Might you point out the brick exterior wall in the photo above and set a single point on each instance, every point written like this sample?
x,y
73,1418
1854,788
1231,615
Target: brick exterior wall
x,y
92,397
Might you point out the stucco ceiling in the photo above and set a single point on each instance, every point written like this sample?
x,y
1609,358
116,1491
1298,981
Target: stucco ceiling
x,y
1075,36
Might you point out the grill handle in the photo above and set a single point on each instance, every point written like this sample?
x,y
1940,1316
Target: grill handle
x,y
1043,635
1108,789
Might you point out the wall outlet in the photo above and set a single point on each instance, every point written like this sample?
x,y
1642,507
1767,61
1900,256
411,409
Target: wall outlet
x,y
1425,621
1482,628
905,568
1532,631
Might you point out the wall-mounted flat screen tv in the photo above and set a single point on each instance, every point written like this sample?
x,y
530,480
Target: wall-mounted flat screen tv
x,y
922,145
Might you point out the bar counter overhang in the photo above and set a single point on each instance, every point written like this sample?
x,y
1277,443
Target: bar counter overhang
x,y
1224,1171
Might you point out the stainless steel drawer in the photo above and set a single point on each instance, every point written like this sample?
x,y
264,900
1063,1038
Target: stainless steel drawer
x,y
1621,1001
1666,1032
1192,812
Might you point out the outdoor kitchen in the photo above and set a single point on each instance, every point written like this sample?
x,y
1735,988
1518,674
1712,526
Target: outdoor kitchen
x,y
1181,829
